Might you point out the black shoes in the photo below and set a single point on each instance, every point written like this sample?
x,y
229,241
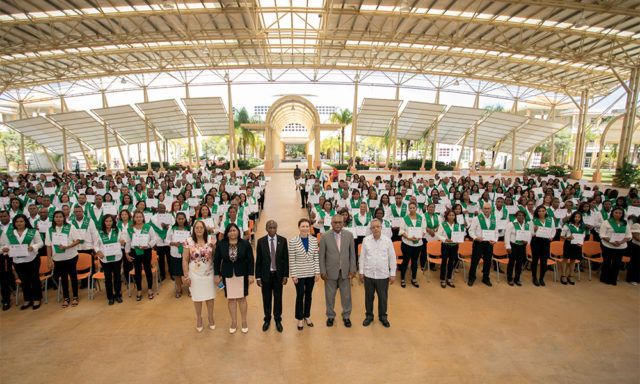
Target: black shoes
x,y
487,282
6,306
265,326
542,283
570,281
535,282
111,301
279,326
510,283
119,299
36,306
26,305
385,322
367,321
329,322
518,283
415,284
347,323
449,283
470,282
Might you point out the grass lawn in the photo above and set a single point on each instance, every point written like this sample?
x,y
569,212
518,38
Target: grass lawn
x,y
607,175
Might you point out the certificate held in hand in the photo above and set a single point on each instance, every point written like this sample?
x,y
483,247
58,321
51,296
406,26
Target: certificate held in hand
x,y
111,251
522,235
578,238
140,240
489,235
415,233
59,239
18,250
457,237
546,232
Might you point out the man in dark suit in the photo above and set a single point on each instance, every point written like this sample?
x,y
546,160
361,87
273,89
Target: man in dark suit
x,y
272,271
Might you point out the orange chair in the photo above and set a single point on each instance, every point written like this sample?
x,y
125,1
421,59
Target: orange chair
x,y
592,252
45,273
465,250
434,255
550,261
359,248
557,251
252,234
96,277
154,271
397,247
84,263
318,236
500,256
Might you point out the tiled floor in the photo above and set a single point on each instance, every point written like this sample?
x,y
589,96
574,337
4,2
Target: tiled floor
x,y
588,333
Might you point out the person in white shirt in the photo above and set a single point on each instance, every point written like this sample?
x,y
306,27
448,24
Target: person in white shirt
x,y
377,271
614,235
108,247
86,230
176,236
483,225
633,251
544,231
140,255
412,230
517,249
449,247
161,222
62,250
27,264
6,274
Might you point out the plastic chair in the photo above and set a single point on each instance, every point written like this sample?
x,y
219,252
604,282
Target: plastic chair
x,y
397,247
18,284
252,236
45,273
84,263
434,255
318,236
500,256
592,252
154,271
96,277
465,250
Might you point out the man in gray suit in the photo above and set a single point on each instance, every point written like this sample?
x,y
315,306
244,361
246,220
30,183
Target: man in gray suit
x,y
337,268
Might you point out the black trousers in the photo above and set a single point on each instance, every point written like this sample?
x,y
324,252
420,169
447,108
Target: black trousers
x,y
356,241
272,291
29,274
516,257
611,264
304,289
66,270
481,250
112,279
6,278
374,287
140,262
303,196
409,254
395,236
449,257
633,269
539,252
163,254
127,266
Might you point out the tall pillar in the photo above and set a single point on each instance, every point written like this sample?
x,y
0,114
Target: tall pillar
x,y
476,104
316,147
63,109
107,155
146,128
628,121
578,157
186,91
552,117
434,146
22,153
354,123
232,135
395,125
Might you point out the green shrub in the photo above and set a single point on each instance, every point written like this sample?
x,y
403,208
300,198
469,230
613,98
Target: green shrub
x,y
243,164
414,165
338,166
627,176
559,170
362,167
537,171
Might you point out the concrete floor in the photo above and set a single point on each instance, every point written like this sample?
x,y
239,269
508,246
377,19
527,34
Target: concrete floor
x,y
558,334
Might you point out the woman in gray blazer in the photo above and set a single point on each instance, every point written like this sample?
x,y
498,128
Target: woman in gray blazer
x,y
304,266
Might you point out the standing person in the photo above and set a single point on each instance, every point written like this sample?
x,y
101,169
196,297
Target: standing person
x,y
517,234
161,222
233,262
108,247
297,172
573,233
633,251
449,249
544,230
483,231
141,238
6,274
614,234
197,265
305,270
412,229
176,237
61,248
272,271
26,262
377,271
337,268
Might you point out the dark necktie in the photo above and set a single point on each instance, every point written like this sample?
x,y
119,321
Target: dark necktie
x,y
273,255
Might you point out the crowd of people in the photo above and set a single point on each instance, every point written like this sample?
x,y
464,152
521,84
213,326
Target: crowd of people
x,y
197,227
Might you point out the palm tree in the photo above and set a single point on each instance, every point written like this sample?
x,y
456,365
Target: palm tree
x,y
327,146
344,117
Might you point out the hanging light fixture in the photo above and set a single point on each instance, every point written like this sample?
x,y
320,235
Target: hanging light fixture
x,y
167,4
404,6
582,21
123,80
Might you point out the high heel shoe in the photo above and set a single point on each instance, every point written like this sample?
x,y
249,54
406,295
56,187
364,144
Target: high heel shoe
x,y
232,330
200,328
563,280
244,330
212,327
569,281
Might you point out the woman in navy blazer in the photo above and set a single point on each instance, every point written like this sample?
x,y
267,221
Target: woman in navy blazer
x,y
234,260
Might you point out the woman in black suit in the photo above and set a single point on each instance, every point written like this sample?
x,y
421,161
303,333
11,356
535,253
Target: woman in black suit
x,y
233,262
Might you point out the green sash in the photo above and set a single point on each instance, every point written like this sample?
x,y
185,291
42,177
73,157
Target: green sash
x,y
65,230
238,223
140,197
605,214
27,238
394,210
518,227
145,230
159,230
84,225
432,221
109,240
367,219
185,228
618,228
574,229
96,220
355,204
548,222
407,221
323,213
483,222
456,228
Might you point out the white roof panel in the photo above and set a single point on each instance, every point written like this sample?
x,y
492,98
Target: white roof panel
x,y
456,122
125,121
495,127
416,118
44,132
530,135
374,116
209,114
167,117
83,125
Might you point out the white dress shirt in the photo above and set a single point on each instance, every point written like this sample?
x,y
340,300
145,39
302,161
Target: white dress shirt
x,y
377,258
510,232
606,230
68,253
475,230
